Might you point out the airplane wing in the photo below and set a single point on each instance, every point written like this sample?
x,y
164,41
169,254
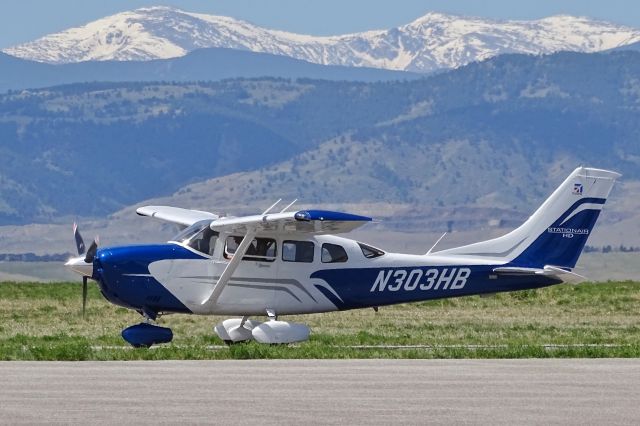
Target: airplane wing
x,y
182,217
548,271
300,222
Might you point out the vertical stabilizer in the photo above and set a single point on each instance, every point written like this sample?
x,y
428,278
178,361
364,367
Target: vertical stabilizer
x,y
557,232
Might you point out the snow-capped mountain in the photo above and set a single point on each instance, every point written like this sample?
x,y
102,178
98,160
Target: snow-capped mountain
x,y
434,41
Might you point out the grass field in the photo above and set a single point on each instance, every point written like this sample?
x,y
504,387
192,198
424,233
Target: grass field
x,y
44,322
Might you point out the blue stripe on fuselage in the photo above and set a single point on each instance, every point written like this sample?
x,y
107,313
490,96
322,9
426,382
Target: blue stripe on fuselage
x,y
366,287
555,246
123,276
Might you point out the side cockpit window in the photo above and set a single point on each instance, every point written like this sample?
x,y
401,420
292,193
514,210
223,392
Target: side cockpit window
x,y
370,252
260,249
333,253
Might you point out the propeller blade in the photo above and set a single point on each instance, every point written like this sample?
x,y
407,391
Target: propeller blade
x,y
79,241
84,296
91,253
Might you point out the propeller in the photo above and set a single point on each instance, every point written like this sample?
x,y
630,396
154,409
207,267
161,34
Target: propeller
x,y
79,241
84,296
91,253
89,256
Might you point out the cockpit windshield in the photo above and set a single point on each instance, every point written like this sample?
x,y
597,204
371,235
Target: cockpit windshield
x,y
190,231
199,236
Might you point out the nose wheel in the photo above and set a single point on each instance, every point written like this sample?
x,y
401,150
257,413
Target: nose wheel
x,y
147,333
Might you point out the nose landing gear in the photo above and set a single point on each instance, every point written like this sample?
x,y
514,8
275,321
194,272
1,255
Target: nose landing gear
x,y
146,333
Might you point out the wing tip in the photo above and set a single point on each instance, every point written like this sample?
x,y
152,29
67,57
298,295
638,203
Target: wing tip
x,y
322,215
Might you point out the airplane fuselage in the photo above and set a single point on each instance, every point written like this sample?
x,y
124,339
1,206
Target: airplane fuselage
x,y
174,277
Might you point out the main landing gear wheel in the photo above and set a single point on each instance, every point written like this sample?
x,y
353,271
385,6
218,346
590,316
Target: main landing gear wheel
x,y
236,330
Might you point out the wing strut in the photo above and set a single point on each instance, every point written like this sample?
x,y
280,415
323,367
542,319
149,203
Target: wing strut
x,y
230,269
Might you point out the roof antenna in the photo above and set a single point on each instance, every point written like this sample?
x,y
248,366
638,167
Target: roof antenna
x,y
289,205
434,246
272,206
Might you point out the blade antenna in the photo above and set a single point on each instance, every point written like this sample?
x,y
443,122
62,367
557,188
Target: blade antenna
x,y
288,205
434,246
272,206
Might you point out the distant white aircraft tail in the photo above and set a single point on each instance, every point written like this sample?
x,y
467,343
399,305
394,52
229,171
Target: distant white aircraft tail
x,y
557,232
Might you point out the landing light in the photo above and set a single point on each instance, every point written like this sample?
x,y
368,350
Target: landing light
x,y
302,216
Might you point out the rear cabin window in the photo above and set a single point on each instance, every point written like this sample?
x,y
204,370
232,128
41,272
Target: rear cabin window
x,y
333,253
370,252
260,249
298,251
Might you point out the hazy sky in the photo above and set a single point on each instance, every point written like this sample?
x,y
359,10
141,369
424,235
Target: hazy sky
x,y
26,20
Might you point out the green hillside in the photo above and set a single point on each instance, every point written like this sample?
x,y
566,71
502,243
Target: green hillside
x,y
505,130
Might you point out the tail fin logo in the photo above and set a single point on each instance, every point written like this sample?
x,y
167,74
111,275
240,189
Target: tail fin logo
x,y
568,232
577,189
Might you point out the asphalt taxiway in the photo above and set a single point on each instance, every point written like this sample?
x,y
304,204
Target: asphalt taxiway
x,y
552,391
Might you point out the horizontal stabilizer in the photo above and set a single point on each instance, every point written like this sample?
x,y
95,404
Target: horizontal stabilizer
x,y
548,271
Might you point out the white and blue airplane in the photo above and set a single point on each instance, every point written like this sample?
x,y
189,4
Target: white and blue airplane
x,y
289,262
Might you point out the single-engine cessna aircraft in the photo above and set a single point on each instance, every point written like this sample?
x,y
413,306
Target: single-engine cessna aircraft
x,y
287,262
